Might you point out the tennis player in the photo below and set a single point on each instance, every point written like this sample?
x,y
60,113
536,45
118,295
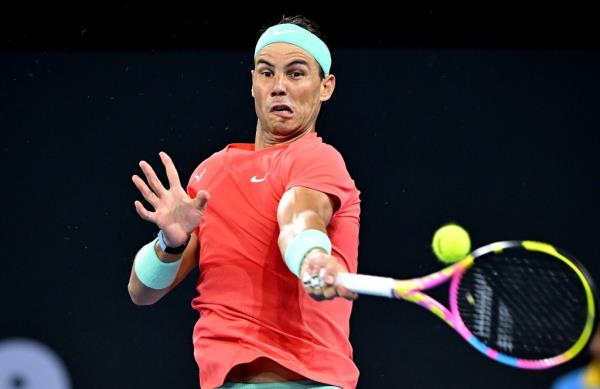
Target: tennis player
x,y
264,222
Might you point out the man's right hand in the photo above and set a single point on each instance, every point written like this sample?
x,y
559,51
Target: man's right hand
x,y
175,213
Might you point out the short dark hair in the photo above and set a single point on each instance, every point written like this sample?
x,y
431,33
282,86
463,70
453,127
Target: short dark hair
x,y
307,24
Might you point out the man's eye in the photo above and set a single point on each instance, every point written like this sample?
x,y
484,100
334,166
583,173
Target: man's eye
x,y
297,74
266,73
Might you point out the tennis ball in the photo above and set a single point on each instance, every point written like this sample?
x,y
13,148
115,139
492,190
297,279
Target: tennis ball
x,y
451,243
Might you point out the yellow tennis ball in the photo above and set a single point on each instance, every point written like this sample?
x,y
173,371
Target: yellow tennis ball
x,y
451,243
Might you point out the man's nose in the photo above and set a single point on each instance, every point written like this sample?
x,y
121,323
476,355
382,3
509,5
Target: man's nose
x,y
279,87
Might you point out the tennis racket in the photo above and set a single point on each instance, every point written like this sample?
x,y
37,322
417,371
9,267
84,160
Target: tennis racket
x,y
522,303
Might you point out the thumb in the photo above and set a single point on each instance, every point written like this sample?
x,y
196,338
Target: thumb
x,y
201,199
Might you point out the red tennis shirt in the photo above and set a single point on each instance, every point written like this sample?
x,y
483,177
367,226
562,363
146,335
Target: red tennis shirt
x,y
250,304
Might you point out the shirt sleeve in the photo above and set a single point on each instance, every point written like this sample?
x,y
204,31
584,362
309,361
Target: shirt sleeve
x,y
321,167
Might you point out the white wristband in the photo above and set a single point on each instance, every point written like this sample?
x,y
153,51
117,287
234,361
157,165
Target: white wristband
x,y
153,272
301,244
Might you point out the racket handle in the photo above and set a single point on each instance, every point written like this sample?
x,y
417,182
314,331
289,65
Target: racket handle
x,y
373,285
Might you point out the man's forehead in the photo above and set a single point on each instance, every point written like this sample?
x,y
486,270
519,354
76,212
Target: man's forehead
x,y
283,53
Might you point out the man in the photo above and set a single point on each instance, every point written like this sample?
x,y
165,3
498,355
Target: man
x,y
282,221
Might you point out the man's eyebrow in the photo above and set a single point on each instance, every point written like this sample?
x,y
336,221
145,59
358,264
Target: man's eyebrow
x,y
297,62
264,62
289,65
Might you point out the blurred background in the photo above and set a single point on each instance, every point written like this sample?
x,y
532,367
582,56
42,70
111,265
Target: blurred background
x,y
484,117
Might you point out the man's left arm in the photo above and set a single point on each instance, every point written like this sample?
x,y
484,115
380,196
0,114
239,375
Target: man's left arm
x,y
303,215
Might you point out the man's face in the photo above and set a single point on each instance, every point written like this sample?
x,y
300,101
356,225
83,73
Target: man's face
x,y
287,89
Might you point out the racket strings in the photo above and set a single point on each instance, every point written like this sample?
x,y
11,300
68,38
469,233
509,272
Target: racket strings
x,y
530,305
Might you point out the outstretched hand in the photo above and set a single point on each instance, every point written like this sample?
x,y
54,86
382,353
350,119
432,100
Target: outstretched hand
x,y
175,213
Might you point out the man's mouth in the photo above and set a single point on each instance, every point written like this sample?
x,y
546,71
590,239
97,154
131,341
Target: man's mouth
x,y
281,109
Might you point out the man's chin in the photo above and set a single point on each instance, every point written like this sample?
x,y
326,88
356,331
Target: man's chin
x,y
284,130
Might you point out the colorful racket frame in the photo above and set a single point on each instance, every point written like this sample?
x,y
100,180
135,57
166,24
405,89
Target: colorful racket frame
x,y
410,290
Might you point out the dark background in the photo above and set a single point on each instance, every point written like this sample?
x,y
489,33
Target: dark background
x,y
486,117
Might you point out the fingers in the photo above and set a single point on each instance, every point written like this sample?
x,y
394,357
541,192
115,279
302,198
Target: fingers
x,y
172,174
143,212
321,293
145,191
321,286
318,274
153,181
345,293
201,199
336,290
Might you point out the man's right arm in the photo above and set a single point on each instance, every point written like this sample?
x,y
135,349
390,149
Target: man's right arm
x,y
143,295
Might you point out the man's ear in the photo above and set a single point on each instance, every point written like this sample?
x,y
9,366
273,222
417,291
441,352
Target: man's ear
x,y
252,87
327,87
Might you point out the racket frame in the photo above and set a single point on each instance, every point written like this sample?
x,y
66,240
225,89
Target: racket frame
x,y
411,290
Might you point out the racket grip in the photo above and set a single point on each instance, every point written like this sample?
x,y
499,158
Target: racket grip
x,y
373,285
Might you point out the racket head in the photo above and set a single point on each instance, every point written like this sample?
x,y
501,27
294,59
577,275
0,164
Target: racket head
x,y
524,303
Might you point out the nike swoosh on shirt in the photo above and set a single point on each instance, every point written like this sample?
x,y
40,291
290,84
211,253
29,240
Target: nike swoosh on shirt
x,y
255,179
